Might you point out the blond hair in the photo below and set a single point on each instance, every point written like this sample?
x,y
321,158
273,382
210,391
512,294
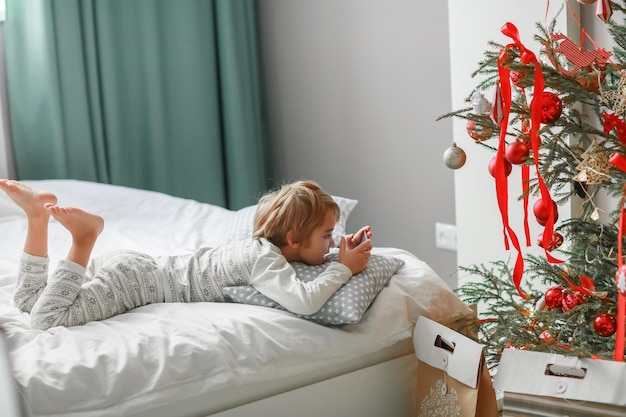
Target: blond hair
x,y
300,207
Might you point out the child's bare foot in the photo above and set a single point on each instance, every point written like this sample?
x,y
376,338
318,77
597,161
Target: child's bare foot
x,y
31,200
82,225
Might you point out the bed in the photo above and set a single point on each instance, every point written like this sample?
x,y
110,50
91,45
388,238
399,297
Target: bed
x,y
211,359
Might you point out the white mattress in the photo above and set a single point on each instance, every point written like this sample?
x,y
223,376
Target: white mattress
x,y
166,354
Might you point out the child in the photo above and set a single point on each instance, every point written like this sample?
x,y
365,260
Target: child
x,y
294,223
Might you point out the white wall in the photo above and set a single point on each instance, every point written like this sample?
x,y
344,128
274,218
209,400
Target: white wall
x,y
354,88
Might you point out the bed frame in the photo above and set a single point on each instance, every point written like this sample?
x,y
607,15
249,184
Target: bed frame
x,y
385,389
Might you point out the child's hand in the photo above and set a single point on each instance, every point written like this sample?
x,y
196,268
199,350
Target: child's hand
x,y
354,239
356,257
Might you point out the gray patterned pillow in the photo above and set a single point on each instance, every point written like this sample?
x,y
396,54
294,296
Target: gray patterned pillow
x,y
240,225
347,305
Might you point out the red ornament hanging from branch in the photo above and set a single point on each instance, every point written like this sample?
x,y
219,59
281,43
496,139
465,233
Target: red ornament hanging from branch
x,y
542,212
576,56
554,297
551,107
478,132
555,242
604,10
517,152
492,167
605,325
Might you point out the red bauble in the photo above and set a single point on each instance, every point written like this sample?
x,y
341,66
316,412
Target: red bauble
x,y
554,297
478,132
517,152
540,209
517,78
551,107
555,242
507,167
605,324
572,299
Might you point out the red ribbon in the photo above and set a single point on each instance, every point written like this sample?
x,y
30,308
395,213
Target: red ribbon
x,y
588,286
525,192
503,93
621,298
612,121
526,184
502,108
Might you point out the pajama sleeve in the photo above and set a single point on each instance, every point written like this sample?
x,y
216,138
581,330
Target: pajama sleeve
x,y
275,278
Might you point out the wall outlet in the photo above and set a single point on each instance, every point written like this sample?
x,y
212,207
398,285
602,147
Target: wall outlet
x,y
445,236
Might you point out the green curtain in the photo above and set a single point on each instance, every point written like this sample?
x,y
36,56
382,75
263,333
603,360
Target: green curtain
x,y
156,94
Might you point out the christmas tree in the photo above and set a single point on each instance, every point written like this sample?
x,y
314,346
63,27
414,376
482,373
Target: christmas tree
x,y
560,116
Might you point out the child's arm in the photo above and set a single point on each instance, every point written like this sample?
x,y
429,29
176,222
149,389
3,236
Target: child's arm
x,y
275,278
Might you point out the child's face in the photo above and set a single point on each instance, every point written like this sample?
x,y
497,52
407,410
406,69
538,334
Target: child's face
x,y
319,243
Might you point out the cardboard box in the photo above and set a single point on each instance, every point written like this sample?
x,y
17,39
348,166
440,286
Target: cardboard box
x,y
546,384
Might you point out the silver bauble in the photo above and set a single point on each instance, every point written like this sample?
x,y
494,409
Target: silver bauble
x,y
454,157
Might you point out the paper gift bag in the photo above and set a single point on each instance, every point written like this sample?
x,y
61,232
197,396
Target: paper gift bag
x,y
452,378
548,384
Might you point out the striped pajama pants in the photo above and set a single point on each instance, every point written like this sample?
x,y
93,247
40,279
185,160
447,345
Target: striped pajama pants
x,y
120,282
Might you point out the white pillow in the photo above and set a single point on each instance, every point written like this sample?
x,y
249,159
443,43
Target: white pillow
x,y
240,225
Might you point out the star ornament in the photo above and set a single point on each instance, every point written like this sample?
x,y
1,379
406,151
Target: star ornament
x,y
616,99
594,166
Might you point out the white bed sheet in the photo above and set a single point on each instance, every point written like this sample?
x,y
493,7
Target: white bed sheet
x,y
170,353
